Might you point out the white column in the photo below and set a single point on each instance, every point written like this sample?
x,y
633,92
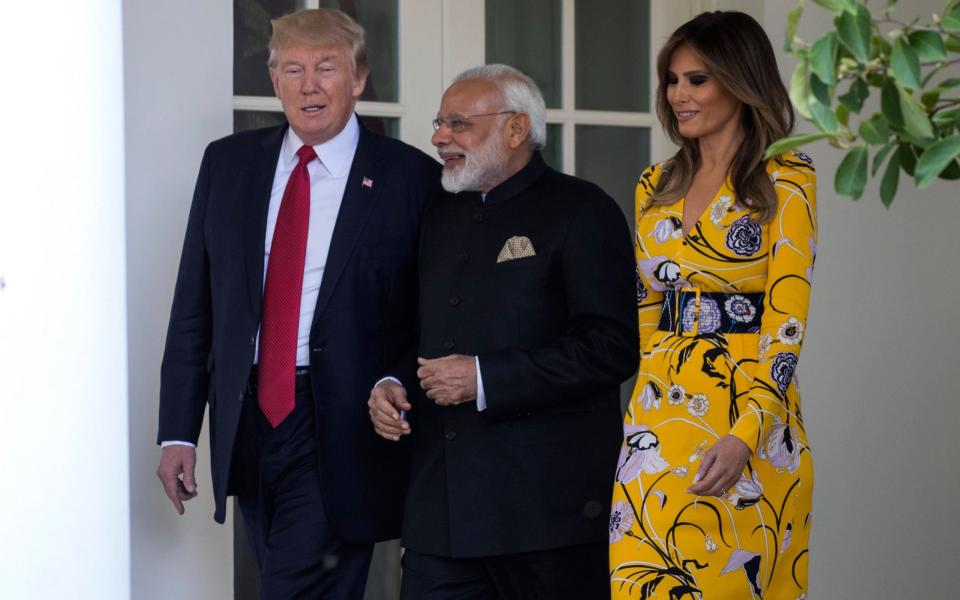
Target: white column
x,y
64,508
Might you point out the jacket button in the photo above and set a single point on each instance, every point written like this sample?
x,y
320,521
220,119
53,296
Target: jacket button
x,y
592,509
450,435
449,345
464,257
478,217
454,300
240,396
253,340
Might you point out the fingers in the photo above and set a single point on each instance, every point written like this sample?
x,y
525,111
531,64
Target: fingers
x,y
174,461
718,472
189,483
384,415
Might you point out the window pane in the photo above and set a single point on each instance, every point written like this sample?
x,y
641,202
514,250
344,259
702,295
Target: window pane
x,y
553,151
381,21
526,35
256,119
251,34
613,55
613,158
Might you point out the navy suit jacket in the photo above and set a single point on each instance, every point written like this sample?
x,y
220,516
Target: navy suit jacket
x,y
364,325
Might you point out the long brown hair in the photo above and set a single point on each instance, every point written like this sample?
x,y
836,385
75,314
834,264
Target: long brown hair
x,y
738,53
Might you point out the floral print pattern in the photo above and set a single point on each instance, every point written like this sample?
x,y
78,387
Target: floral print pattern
x,y
694,388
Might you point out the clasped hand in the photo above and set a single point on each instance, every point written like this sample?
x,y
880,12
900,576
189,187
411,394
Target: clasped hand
x,y
721,467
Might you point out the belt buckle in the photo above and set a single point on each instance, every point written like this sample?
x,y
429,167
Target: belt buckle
x,y
681,304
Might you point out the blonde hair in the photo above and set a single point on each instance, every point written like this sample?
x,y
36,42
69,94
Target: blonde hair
x,y
320,27
738,53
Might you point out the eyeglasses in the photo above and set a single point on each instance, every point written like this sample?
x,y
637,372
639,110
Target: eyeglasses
x,y
458,123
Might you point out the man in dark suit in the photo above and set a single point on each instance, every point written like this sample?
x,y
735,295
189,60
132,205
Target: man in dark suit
x,y
296,294
528,325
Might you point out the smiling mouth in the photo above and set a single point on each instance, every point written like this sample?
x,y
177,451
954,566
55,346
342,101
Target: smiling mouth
x,y
449,158
686,115
312,109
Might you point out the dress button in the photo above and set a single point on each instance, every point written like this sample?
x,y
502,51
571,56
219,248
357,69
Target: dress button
x,y
450,435
454,300
449,345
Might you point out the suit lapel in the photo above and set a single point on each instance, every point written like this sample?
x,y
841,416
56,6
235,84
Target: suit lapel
x,y
359,199
258,183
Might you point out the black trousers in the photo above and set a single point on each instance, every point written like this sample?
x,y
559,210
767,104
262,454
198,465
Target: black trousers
x,y
572,573
297,553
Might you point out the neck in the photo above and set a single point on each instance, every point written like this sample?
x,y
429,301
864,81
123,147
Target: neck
x,y
517,161
718,149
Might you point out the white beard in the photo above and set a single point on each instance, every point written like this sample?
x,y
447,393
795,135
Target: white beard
x,y
486,164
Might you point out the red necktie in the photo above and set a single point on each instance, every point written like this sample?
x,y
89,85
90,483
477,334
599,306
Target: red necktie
x,y
276,374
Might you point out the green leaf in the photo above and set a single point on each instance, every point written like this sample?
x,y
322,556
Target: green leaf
x,y
908,158
952,172
953,44
835,5
823,58
800,87
928,45
855,96
793,19
891,180
843,115
855,30
890,104
906,65
823,117
851,175
948,84
878,159
950,23
915,119
947,116
791,142
929,98
875,130
821,91
935,159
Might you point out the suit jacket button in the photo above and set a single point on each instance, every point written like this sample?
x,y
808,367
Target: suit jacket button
x,y
592,509
464,257
253,340
450,435
240,396
454,300
449,345
478,217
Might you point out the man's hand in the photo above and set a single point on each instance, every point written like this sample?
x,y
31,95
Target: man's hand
x,y
386,401
721,467
177,459
449,380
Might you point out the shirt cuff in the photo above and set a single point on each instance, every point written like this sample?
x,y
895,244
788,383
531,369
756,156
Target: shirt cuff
x,y
176,443
389,378
481,398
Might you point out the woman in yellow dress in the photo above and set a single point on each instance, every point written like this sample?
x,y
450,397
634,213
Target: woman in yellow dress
x,y
713,488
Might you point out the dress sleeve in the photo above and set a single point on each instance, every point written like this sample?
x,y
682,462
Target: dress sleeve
x,y
649,301
792,249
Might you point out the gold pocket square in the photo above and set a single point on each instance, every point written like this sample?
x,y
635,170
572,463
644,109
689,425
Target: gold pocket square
x,y
518,246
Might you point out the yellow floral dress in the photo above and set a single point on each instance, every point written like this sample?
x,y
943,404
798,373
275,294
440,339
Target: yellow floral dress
x,y
722,317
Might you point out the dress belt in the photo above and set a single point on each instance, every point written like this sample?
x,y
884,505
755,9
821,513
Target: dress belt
x,y
302,378
692,312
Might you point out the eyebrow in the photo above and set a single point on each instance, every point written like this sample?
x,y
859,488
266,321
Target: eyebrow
x,y
689,73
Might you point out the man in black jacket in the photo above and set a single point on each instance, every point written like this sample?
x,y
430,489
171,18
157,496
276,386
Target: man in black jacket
x,y
296,294
528,326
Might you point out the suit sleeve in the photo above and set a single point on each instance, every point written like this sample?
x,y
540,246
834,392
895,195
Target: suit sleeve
x,y
599,347
793,236
184,373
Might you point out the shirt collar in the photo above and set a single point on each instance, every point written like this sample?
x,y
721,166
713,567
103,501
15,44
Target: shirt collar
x,y
336,154
519,181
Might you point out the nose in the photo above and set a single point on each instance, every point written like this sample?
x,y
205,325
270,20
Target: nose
x,y
309,83
678,93
441,137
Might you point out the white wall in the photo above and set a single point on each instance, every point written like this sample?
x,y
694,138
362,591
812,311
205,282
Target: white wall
x,y
178,69
64,528
879,376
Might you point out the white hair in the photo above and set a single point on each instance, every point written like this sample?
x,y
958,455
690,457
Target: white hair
x,y
519,93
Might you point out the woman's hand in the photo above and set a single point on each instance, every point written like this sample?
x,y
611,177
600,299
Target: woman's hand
x,y
721,467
